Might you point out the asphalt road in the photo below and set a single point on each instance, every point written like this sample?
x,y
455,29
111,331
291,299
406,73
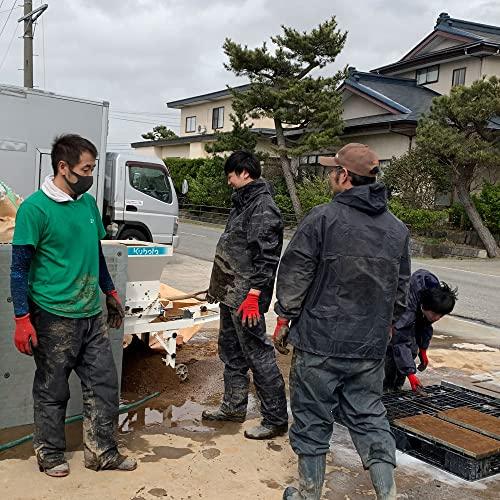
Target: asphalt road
x,y
478,280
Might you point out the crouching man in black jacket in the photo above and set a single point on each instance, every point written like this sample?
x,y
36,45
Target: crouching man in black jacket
x,y
428,301
342,283
242,280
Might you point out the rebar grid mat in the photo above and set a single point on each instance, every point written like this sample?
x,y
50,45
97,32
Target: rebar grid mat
x,y
439,398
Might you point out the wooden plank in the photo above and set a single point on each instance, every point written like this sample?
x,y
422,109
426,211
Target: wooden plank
x,y
457,438
473,420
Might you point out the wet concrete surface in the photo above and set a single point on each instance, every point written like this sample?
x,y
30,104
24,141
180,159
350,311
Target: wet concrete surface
x,y
182,457
169,432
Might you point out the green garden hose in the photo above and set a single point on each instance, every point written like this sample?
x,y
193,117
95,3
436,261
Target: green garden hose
x,y
76,418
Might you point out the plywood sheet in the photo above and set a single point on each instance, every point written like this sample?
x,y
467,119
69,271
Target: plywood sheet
x,y
473,420
457,438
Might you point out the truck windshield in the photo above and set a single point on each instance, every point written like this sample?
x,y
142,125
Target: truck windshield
x,y
152,181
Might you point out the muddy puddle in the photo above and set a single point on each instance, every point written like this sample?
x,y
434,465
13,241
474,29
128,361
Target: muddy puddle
x,y
177,410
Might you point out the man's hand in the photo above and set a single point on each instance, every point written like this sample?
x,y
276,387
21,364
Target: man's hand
x,y
424,360
280,335
25,335
115,309
249,308
416,385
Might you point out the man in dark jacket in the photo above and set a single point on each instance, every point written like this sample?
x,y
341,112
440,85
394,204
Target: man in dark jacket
x,y
428,301
342,282
242,280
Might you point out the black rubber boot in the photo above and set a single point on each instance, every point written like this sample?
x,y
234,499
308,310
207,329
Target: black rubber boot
x,y
264,432
311,477
222,416
382,475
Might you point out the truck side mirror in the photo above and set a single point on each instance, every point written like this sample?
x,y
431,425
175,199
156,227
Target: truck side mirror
x,y
185,186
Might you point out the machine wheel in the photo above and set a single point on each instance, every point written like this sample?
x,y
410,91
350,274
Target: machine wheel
x,y
133,234
182,372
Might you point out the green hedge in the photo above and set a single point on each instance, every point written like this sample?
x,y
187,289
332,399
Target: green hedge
x,y
487,203
183,168
419,219
311,192
206,179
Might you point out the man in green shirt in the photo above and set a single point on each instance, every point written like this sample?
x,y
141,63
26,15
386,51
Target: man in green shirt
x,y
57,270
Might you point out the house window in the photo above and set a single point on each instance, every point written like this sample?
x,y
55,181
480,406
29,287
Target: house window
x,y
218,118
428,75
191,124
458,77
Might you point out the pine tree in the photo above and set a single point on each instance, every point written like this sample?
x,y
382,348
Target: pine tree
x,y
160,132
240,137
461,133
284,88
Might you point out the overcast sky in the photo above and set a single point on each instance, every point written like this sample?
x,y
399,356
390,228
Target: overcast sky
x,y
139,54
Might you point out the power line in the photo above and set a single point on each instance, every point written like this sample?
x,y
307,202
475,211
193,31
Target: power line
x,y
8,10
159,122
8,17
9,46
145,113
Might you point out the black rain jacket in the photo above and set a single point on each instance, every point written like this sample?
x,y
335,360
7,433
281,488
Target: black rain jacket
x,y
412,331
248,252
343,279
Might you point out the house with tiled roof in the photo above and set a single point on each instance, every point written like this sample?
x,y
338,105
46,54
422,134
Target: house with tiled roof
x,y
381,108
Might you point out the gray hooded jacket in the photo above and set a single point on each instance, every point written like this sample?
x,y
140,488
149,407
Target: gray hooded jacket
x,y
343,279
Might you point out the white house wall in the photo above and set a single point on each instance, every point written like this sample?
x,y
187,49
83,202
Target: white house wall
x,y
476,68
203,113
356,106
385,145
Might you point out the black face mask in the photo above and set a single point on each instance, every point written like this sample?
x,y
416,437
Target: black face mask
x,y
82,185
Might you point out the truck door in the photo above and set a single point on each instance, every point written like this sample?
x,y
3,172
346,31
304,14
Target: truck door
x,y
150,199
44,168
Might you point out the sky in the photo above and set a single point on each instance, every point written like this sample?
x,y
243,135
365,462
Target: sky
x,y
140,54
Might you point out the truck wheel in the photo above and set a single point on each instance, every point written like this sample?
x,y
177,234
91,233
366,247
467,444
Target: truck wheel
x,y
133,234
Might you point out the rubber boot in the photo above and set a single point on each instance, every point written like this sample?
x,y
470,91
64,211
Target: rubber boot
x,y
220,415
311,477
382,475
266,432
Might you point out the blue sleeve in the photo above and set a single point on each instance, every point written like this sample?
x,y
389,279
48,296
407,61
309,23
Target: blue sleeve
x,y
424,337
403,339
105,282
22,256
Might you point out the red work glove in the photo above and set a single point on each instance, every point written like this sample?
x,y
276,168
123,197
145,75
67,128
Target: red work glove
x,y
115,309
424,360
25,336
250,309
416,385
280,335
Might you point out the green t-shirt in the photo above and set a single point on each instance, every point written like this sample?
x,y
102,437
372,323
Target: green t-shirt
x,y
64,273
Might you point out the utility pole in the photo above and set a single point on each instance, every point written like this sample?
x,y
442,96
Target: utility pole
x,y
30,16
28,44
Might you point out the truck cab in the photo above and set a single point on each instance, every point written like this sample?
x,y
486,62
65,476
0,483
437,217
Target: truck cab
x,y
139,199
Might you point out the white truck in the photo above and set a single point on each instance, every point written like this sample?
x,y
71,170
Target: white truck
x,y
135,194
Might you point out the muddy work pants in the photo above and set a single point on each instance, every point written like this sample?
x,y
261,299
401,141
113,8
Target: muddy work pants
x,y
81,345
242,348
322,387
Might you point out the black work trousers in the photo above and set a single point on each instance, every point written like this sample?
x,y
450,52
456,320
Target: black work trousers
x,y
242,348
324,386
82,345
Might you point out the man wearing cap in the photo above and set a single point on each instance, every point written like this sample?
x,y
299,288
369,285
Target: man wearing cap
x,y
341,284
